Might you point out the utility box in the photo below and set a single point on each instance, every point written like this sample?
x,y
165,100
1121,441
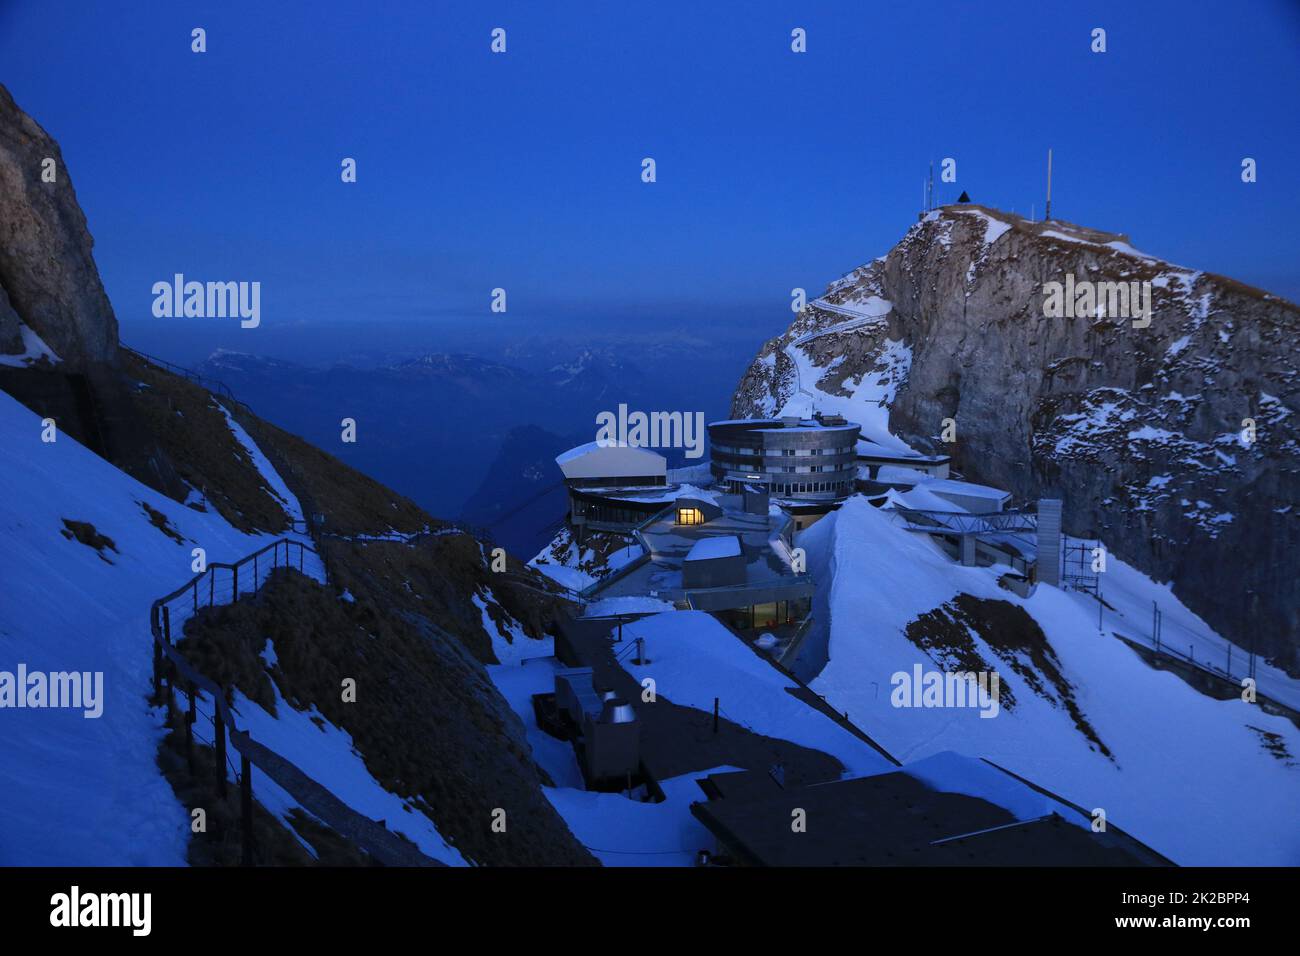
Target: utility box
x,y
607,732
757,500
714,563
612,744
575,697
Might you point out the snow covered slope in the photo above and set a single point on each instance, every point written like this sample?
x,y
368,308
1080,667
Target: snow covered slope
x,y
1200,780
76,790
87,791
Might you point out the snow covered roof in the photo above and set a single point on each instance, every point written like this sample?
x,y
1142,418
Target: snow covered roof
x,y
706,549
900,474
967,489
937,494
919,499
595,460
901,453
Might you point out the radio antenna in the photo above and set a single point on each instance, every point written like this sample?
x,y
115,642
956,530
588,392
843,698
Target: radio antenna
x,y
1047,214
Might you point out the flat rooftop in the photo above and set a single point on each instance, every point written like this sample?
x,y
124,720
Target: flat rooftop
x,y
767,574
652,494
678,739
897,819
782,425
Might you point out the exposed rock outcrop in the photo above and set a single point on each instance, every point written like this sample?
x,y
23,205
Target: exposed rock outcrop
x,y
58,336
11,335
1139,429
46,266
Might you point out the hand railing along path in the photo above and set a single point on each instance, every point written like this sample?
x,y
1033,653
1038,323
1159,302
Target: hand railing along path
x,y
211,384
225,583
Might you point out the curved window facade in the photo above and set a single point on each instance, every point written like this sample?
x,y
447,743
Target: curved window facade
x,y
805,459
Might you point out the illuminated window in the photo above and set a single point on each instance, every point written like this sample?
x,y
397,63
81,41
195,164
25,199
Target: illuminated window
x,y
690,516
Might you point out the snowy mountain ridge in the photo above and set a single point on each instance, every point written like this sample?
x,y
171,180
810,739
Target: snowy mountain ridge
x,y
1138,430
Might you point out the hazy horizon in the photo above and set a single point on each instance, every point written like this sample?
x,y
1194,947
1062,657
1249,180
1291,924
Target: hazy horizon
x,y
522,171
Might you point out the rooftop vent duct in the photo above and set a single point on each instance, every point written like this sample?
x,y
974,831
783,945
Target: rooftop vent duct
x,y
617,711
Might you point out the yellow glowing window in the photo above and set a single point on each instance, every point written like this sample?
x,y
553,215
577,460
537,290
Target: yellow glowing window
x,y
690,516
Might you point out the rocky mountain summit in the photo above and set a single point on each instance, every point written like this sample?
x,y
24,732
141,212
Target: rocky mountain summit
x,y
48,279
1168,434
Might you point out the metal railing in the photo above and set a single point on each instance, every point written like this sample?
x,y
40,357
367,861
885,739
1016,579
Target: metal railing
x,y
221,583
1235,667
211,384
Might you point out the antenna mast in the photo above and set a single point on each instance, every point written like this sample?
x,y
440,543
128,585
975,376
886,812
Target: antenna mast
x,y
1048,213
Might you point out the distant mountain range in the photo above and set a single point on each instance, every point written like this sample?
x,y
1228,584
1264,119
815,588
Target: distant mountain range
x,y
462,434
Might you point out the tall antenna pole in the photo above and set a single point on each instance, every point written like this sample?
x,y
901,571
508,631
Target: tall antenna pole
x,y
1048,213
930,187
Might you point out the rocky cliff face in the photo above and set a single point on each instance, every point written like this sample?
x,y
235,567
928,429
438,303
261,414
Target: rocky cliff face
x,y
47,273
1138,427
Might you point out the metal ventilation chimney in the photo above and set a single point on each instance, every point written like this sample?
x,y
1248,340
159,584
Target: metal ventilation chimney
x,y
1049,541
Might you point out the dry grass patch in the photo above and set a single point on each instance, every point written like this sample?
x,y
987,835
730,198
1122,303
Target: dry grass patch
x,y
352,503
1015,637
434,578
195,436
427,721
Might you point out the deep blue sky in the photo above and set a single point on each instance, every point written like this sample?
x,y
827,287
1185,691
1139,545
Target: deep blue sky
x,y
522,170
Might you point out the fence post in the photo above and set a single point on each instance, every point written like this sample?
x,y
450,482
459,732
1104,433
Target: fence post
x,y
220,726
168,682
157,670
189,729
246,806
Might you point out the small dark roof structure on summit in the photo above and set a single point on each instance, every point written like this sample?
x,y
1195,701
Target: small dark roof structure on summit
x,y
963,197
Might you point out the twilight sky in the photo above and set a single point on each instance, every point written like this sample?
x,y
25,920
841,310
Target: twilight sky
x,y
522,170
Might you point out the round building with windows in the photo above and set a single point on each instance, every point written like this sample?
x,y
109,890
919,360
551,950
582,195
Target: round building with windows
x,y
803,459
